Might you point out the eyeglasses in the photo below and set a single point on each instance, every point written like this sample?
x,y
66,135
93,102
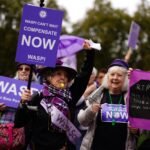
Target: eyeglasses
x,y
23,69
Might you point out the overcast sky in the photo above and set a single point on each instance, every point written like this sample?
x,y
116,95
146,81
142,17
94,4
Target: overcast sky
x,y
77,8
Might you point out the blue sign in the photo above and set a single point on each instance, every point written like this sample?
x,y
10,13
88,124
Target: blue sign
x,y
116,112
39,35
11,89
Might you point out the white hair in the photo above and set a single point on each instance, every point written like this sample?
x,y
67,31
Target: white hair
x,y
116,68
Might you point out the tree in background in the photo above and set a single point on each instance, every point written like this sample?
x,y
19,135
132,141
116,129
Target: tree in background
x,y
110,27
142,17
10,16
102,24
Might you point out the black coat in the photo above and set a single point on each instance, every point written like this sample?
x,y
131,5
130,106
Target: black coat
x,y
42,136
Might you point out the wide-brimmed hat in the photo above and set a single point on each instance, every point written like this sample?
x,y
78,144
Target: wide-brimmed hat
x,y
46,71
119,62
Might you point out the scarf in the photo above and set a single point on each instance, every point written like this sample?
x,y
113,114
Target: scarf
x,y
58,98
51,91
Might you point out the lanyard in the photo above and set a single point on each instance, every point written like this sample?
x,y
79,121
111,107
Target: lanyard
x,y
110,99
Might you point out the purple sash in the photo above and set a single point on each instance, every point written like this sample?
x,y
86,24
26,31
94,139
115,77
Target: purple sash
x,y
61,121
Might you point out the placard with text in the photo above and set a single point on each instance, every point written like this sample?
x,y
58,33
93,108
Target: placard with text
x,y
11,89
39,35
139,99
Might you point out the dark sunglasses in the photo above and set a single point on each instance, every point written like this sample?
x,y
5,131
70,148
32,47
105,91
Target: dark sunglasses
x,y
23,68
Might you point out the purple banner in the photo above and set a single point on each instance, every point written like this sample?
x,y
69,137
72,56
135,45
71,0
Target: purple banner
x,y
39,36
11,89
133,35
69,45
116,112
139,99
70,61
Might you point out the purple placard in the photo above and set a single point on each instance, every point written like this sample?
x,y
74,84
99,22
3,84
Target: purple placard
x,y
39,35
11,89
117,112
133,35
138,100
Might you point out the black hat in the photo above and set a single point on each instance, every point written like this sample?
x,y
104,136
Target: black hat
x,y
59,65
31,66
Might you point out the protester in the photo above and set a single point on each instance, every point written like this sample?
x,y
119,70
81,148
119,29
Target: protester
x,y
8,113
100,75
56,94
103,132
92,85
22,73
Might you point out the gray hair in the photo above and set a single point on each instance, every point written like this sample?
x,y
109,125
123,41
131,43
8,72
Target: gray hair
x,y
116,68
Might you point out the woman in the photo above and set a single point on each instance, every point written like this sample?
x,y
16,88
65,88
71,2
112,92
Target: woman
x,y
22,73
106,114
8,113
57,94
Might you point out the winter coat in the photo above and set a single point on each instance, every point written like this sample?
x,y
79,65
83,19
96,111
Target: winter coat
x,y
42,137
88,118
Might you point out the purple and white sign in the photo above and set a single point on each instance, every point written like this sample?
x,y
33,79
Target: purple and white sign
x,y
133,35
39,35
61,121
11,89
139,99
117,112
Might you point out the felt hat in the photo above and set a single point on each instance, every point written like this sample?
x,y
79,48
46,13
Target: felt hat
x,y
119,62
46,71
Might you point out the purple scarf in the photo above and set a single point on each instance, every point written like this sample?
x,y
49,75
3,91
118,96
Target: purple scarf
x,y
58,98
50,91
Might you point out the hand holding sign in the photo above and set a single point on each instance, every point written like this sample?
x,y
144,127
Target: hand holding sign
x,y
95,107
2,106
26,96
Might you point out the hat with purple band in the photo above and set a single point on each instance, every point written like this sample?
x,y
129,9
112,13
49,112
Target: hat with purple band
x,y
119,62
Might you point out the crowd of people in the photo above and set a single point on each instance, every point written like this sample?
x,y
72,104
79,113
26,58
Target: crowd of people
x,y
80,99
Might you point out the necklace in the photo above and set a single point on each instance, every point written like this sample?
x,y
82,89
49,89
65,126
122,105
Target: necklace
x,y
110,99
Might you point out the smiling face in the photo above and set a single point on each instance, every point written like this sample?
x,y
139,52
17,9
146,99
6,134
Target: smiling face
x,y
59,79
23,72
116,78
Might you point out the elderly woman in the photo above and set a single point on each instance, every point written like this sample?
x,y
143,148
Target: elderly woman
x,y
51,124
22,73
106,114
8,113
